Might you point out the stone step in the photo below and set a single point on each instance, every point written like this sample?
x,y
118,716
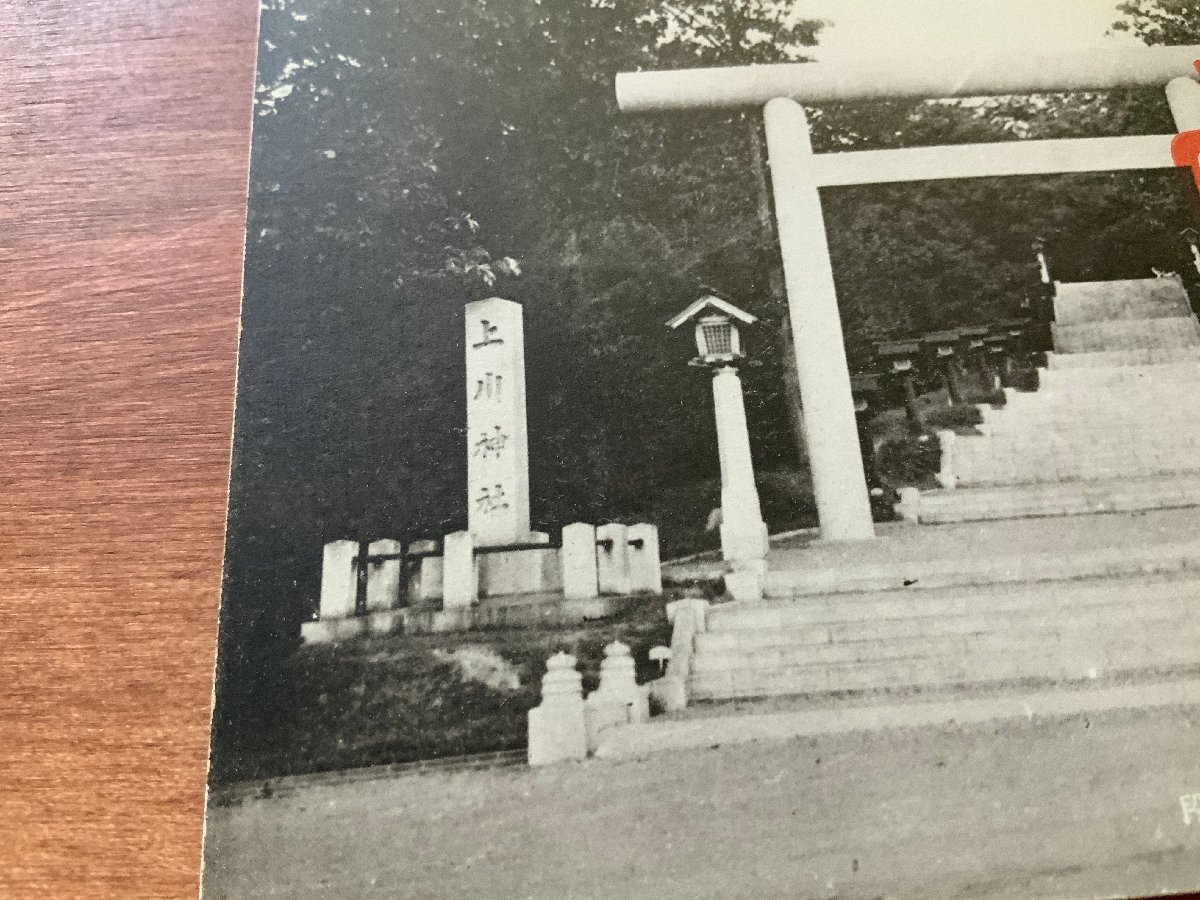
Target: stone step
x,y
1067,662
1156,635
1098,380
708,725
1031,419
1064,393
1179,331
1146,356
1147,442
752,624
1126,451
1096,301
1065,396
923,635
713,658
1115,398
979,569
1053,499
1076,471
1072,471
1086,414
1077,435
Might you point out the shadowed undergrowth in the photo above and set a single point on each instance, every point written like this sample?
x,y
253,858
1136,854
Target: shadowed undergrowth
x,y
400,698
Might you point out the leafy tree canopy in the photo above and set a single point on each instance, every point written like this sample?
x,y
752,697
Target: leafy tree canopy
x,y
1170,22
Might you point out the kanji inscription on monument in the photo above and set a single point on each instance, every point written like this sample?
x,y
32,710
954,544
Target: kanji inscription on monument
x,y
497,443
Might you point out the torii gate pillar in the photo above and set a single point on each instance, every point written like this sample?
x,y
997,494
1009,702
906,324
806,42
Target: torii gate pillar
x,y
830,431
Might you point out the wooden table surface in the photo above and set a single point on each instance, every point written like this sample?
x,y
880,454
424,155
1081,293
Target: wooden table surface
x,y
124,134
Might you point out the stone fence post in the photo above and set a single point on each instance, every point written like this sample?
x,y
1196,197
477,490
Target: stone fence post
x,y
383,578
612,559
425,574
460,573
339,585
645,567
580,577
618,700
945,476
689,617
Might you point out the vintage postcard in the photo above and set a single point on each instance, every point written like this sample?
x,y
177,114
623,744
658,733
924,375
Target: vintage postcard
x,y
715,448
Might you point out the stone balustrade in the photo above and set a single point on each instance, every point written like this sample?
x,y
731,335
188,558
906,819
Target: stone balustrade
x,y
459,584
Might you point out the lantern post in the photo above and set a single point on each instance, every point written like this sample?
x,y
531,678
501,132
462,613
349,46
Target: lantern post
x,y
743,532
1192,238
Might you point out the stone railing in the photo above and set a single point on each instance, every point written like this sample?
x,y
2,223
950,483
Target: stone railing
x,y
368,587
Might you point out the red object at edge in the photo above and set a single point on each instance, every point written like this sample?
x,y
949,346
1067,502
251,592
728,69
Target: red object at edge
x,y
1185,151
1185,146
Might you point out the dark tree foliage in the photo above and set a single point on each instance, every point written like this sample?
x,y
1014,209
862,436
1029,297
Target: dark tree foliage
x,y
410,157
1170,22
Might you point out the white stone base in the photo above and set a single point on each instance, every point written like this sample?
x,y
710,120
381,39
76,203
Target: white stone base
x,y
744,584
557,733
909,507
492,614
519,572
333,630
600,715
670,693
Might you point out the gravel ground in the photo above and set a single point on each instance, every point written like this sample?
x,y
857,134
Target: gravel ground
x,y
1082,807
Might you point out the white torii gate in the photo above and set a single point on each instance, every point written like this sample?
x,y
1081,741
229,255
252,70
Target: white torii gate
x,y
839,483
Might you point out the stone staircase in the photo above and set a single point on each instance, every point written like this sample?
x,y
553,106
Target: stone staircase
x,y
1114,424
1061,631
964,607
1001,593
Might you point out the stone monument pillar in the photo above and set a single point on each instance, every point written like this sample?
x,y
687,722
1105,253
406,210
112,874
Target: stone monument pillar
x,y
497,441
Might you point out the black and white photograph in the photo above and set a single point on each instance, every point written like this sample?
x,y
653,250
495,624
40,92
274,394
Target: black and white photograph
x,y
715,449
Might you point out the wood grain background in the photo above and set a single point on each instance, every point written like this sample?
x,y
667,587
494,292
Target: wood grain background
x,y
124,133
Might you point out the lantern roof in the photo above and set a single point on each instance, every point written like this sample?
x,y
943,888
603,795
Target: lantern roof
x,y
715,303
1013,323
864,382
897,348
941,337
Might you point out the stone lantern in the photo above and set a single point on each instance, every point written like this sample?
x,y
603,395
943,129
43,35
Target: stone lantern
x,y
718,340
900,358
974,342
743,533
999,350
942,349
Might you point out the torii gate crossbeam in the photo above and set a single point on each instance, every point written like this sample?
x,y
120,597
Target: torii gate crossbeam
x,y
916,77
1053,157
831,434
